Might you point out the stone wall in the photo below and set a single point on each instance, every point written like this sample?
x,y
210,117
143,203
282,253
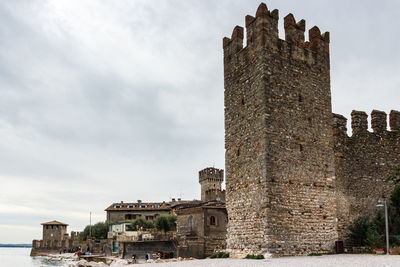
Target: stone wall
x,y
197,237
54,234
143,248
364,162
215,235
280,176
54,245
190,223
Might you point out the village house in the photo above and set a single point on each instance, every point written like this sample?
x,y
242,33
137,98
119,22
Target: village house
x,y
119,212
201,226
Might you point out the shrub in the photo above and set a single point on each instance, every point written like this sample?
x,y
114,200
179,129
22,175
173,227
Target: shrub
x,y
366,232
254,257
358,230
139,223
219,255
373,238
315,254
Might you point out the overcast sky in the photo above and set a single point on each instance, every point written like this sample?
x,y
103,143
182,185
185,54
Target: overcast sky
x,y
103,101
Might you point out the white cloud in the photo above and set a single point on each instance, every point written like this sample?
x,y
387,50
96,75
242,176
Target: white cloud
x,y
103,101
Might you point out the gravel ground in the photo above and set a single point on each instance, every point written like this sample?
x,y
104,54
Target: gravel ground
x,y
324,261
356,260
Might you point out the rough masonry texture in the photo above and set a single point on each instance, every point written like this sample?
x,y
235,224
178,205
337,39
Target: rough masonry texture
x,y
285,158
363,163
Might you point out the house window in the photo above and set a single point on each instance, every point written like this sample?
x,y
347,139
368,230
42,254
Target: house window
x,y
117,206
130,216
131,206
150,217
212,220
155,206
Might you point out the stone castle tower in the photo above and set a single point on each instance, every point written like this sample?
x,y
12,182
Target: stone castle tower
x,y
210,180
280,164
54,233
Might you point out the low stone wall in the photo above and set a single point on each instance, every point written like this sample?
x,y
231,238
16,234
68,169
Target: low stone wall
x,y
191,248
143,248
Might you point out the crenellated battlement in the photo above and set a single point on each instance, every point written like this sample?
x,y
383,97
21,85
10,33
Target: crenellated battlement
x,y
294,32
211,174
359,122
340,124
394,120
262,32
378,121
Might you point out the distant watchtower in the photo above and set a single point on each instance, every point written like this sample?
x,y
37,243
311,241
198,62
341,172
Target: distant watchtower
x,y
53,233
280,173
210,180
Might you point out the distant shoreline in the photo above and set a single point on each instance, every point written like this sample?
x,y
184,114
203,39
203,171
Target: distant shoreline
x,y
15,245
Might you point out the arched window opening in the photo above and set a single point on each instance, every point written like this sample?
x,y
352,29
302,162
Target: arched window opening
x,y
212,220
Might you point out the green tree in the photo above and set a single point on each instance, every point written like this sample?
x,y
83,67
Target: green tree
x,y
98,231
165,223
395,199
172,222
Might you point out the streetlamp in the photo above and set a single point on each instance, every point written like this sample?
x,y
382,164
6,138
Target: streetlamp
x,y
90,225
380,204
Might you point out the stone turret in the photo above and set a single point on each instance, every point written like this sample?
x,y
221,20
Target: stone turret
x,y
210,180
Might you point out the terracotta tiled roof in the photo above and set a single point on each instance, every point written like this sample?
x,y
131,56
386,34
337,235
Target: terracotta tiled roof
x,y
215,204
186,204
54,223
162,206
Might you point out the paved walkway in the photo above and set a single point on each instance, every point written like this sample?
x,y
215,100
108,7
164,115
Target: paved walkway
x,y
343,260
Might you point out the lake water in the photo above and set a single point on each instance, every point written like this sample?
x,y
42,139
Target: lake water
x,y
19,257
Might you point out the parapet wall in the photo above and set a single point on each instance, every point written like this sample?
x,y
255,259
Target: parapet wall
x,y
363,163
47,246
262,32
359,123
